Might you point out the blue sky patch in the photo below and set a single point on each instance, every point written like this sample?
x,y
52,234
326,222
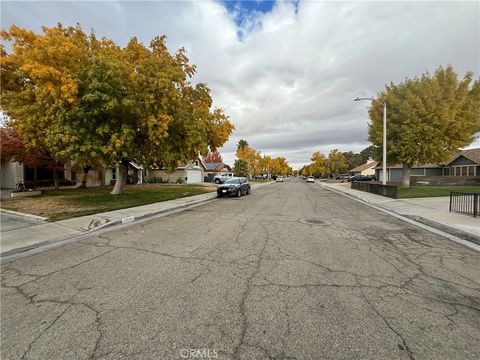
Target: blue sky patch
x,y
246,12
249,6
245,9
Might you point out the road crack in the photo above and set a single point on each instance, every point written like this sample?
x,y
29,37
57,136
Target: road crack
x,y
246,294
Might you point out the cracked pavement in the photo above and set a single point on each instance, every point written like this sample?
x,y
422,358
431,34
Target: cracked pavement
x,y
292,271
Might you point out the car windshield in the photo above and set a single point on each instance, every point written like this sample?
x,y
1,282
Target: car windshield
x,y
233,181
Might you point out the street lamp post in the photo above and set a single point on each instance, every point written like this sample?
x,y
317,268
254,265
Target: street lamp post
x,y
384,162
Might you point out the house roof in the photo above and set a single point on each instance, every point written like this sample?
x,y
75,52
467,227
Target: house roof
x,y
419,166
136,166
367,165
218,166
183,166
472,154
212,166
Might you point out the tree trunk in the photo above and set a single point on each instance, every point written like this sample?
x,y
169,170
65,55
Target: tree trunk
x,y
84,178
406,175
121,178
55,179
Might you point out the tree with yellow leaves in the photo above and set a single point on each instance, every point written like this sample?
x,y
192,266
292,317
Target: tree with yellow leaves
x,y
39,87
266,164
336,163
428,118
251,157
281,167
97,103
319,165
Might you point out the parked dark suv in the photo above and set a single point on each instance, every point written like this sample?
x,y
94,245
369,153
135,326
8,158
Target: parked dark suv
x,y
234,187
359,177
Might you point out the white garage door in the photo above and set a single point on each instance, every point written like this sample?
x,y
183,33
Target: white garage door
x,y
194,176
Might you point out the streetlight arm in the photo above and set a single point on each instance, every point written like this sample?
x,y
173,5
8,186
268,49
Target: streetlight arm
x,y
368,98
363,98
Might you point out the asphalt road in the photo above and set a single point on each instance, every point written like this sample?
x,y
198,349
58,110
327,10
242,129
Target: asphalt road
x,y
292,271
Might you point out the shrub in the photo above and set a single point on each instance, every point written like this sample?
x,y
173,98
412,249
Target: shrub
x,y
155,180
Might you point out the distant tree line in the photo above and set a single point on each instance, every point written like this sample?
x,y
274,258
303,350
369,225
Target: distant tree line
x,y
251,162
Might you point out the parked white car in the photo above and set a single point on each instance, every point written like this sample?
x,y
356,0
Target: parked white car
x,y
310,179
220,179
279,179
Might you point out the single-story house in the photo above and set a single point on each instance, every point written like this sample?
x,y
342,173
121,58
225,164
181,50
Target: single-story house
x,y
191,172
107,175
395,172
14,172
464,163
365,169
463,167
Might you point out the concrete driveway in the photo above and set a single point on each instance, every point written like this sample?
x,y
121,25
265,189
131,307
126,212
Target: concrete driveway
x,y
292,271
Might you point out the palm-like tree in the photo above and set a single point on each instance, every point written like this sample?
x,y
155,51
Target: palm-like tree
x,y
242,144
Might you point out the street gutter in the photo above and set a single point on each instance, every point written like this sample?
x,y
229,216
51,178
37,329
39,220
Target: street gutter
x,y
469,240
110,225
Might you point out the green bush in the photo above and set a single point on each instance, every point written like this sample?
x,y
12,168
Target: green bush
x,y
132,179
157,180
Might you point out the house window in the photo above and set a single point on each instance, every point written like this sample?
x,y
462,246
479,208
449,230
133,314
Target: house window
x,y
465,170
471,171
446,171
114,173
196,163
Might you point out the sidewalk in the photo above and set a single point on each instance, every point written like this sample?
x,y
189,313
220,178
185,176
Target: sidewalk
x,y
429,211
21,238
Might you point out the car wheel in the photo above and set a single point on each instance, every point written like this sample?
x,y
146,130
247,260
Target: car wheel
x,y
239,193
249,191
217,181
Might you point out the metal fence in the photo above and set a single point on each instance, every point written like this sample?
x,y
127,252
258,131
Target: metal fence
x,y
465,203
390,191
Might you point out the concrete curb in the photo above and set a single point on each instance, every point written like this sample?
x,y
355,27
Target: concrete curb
x,y
212,196
462,237
30,216
28,250
448,229
24,251
153,213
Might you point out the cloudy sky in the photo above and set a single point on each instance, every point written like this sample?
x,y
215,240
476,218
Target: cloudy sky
x,y
286,72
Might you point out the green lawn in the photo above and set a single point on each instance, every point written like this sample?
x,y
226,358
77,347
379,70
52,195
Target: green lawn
x,y
434,190
64,204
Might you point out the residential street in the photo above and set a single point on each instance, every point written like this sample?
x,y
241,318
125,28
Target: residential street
x,y
292,271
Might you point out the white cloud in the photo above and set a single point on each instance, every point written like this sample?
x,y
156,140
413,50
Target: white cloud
x,y
289,82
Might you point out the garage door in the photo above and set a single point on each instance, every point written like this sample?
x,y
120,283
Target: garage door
x,y
194,176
